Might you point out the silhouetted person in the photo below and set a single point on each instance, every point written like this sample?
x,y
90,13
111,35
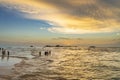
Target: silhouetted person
x,y
3,52
8,53
0,49
46,53
40,53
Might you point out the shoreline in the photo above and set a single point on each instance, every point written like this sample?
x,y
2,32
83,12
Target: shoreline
x,y
26,66
16,65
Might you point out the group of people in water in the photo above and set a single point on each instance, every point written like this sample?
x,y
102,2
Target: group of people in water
x,y
46,53
4,51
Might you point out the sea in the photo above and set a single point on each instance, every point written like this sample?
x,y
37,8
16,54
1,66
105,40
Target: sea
x,y
71,63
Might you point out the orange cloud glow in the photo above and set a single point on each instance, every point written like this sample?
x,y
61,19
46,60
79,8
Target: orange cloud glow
x,y
70,17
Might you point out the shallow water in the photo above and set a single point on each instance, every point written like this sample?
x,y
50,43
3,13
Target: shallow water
x,y
6,64
74,64
21,52
83,65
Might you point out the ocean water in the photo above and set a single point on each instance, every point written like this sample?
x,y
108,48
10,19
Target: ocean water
x,y
81,64
6,64
73,63
16,56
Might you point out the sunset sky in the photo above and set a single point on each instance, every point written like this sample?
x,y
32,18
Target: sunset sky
x,y
68,22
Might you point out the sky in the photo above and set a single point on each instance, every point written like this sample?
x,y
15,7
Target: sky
x,y
65,22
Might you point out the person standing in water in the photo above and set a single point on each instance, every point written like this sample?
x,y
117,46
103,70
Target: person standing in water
x,y
0,49
46,53
8,53
40,53
3,52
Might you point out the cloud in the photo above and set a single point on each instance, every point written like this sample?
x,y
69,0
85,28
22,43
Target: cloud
x,y
64,30
42,28
71,17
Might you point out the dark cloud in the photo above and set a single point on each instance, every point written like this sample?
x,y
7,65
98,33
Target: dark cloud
x,y
97,10
112,3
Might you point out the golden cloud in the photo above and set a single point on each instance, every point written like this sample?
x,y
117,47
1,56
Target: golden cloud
x,y
71,17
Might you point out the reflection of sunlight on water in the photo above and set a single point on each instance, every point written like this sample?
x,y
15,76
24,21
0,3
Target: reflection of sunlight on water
x,y
83,64
73,64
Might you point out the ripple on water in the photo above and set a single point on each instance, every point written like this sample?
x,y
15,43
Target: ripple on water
x,y
75,64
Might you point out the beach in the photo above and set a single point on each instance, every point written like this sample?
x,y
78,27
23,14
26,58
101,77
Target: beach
x,y
65,63
59,39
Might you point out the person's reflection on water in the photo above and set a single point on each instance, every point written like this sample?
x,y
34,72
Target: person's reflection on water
x,y
2,57
2,49
8,53
3,54
7,58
